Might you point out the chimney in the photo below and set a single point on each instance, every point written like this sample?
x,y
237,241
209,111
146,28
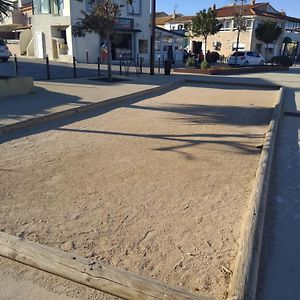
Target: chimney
x,y
282,12
214,7
174,14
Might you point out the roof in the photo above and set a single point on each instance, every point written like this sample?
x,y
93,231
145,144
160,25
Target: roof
x,y
258,9
163,20
247,9
170,31
183,19
167,19
263,9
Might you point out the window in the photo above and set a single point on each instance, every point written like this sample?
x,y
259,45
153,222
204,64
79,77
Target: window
x,y
41,7
248,23
167,40
226,25
135,8
180,27
143,46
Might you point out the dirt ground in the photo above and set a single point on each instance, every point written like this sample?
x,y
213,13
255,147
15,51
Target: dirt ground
x,y
158,187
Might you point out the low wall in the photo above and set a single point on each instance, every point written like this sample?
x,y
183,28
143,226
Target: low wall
x,y
232,71
12,86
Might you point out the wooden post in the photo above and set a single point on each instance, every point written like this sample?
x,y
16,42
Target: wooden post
x,y
47,67
74,67
102,277
16,69
98,66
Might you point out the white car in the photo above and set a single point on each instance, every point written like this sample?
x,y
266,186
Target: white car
x,y
246,58
4,52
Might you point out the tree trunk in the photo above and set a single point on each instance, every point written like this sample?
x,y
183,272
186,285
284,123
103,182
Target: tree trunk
x,y
109,58
205,48
237,46
267,53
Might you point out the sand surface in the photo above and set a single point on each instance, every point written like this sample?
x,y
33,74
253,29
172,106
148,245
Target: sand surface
x,y
158,187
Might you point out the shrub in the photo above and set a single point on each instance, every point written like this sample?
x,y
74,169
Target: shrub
x,y
212,57
282,60
205,65
190,62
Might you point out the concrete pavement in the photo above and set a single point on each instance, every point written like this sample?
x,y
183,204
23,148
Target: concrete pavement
x,y
280,262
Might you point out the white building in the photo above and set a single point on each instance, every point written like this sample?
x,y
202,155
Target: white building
x,y
52,23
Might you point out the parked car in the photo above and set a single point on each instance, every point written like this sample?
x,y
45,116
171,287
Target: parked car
x,y
4,52
246,58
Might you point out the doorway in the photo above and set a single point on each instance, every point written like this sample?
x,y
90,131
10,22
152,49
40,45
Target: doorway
x,y
121,45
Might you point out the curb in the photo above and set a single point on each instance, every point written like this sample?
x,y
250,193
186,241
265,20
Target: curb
x,y
213,81
82,109
244,281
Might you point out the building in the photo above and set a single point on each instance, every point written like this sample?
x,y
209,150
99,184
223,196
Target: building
x,y
252,14
52,23
167,42
225,41
13,26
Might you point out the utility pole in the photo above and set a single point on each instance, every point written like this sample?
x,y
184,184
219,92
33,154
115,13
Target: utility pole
x,y
152,51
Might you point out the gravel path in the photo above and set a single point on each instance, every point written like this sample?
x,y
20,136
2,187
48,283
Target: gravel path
x,y
158,187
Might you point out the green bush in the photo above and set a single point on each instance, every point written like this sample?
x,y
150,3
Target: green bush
x,y
205,65
190,62
282,60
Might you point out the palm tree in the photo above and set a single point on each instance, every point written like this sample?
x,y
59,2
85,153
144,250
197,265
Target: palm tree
x,y
5,7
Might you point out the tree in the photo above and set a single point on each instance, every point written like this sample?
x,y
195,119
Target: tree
x,y
268,32
101,19
204,24
239,23
5,7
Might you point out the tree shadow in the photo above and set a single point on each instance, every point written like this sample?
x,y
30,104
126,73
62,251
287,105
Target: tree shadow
x,y
280,264
208,114
191,114
35,104
236,141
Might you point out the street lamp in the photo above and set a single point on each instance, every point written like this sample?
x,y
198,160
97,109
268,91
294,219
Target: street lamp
x,y
152,50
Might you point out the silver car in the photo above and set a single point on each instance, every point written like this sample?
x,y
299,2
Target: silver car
x,y
4,52
246,58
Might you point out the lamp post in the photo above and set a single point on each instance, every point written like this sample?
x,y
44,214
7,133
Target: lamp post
x,y
152,50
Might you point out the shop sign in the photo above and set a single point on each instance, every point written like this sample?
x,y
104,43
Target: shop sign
x,y
123,23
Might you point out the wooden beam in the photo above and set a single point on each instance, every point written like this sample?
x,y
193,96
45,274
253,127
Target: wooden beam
x,y
90,273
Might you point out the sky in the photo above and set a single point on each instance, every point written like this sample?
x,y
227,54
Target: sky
x,y
291,7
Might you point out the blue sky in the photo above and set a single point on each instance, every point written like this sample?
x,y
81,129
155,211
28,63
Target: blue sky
x,y
291,7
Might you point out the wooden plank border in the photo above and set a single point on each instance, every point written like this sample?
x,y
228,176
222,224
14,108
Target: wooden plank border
x,y
93,274
244,281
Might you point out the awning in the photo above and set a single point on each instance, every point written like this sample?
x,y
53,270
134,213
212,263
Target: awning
x,y
128,30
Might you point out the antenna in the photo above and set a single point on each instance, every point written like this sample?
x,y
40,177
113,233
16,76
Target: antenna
x,y
175,8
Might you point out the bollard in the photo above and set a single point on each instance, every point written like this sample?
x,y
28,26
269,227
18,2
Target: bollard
x,y
98,69
16,69
74,67
87,55
47,67
141,65
120,64
158,64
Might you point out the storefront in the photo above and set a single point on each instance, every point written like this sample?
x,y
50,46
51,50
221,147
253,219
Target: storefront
x,y
124,39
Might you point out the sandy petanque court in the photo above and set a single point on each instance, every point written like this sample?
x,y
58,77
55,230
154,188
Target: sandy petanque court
x,y
158,187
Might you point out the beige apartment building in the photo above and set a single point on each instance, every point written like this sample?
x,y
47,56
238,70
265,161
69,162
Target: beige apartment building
x,y
225,41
